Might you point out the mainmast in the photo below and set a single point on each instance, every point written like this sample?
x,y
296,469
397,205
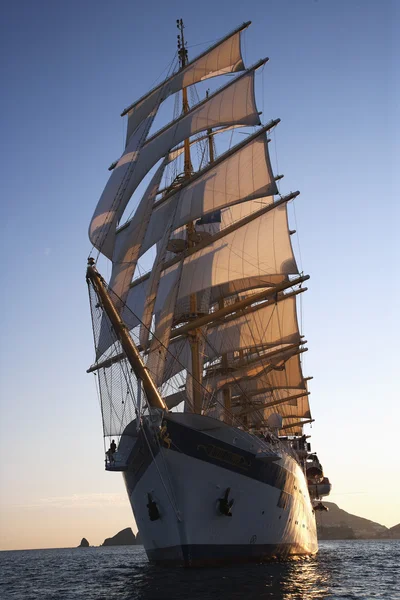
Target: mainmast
x,y
183,59
194,336
226,391
210,141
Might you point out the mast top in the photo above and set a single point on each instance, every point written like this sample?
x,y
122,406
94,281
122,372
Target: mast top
x,y
182,49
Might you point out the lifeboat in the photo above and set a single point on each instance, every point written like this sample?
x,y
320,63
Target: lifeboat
x,y
314,471
318,490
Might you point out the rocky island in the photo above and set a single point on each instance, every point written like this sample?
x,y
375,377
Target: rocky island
x,y
126,537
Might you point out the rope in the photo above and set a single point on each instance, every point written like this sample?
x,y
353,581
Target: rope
x,y
175,509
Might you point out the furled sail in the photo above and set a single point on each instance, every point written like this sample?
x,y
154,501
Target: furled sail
x,y
224,57
231,105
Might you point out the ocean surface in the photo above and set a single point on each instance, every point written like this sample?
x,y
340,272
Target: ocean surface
x,y
341,570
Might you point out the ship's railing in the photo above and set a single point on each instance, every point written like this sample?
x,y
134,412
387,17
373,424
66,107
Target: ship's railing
x,y
115,461
271,443
286,446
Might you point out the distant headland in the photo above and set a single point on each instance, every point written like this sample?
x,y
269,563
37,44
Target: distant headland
x,y
337,524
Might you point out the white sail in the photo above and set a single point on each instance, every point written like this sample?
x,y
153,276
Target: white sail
x,y
269,379
243,175
295,409
273,400
232,104
133,312
267,326
224,57
254,262
160,342
129,239
130,315
293,405
262,364
102,222
153,287
129,242
233,214
245,256
259,248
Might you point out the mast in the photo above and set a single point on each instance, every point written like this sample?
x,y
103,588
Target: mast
x,y
183,59
194,336
226,391
210,141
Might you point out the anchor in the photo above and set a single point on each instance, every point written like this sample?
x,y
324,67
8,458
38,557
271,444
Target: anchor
x,y
225,505
153,509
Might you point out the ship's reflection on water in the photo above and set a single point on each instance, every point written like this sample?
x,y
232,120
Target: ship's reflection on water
x,y
307,578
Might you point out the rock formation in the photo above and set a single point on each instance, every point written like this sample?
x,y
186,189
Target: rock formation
x,y
394,532
84,543
126,537
138,539
339,524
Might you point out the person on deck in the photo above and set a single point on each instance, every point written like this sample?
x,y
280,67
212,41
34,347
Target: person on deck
x,y
111,451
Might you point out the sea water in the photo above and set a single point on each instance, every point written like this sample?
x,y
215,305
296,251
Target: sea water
x,y
341,570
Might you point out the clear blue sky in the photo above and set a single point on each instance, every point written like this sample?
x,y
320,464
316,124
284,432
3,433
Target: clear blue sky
x,y
67,70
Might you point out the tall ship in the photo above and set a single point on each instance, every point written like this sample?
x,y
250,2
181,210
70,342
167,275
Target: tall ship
x,y
198,347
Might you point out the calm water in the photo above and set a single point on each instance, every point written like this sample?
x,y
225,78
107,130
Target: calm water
x,y
342,569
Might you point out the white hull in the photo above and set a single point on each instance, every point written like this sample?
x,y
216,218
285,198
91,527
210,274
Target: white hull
x,y
265,522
